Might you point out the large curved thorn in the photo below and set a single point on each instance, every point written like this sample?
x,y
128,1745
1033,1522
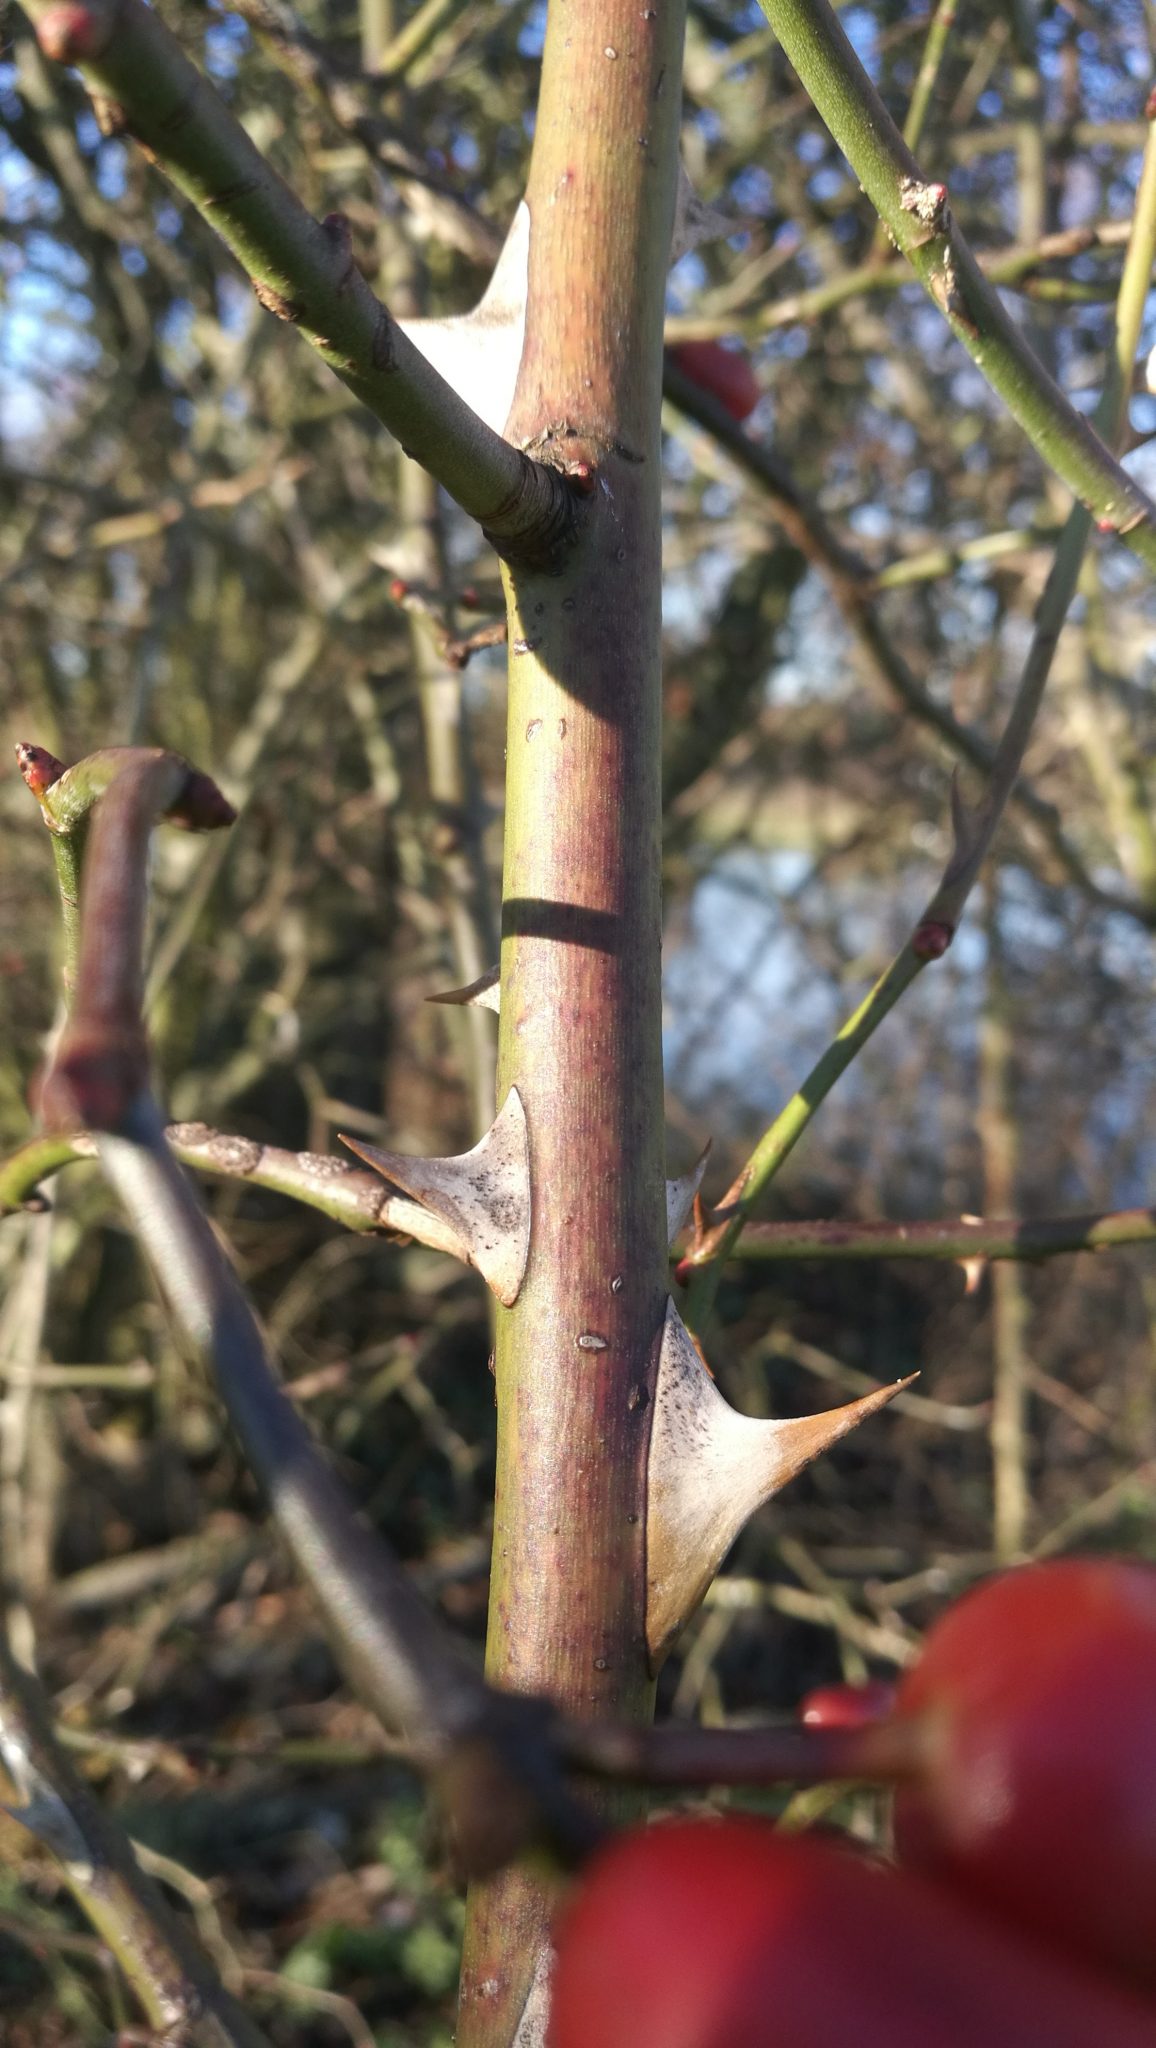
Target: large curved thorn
x,y
709,1469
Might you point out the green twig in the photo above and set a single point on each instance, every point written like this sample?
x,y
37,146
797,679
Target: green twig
x,y
348,1194
303,271
703,1262
414,38
934,51
922,225
956,1239
1016,268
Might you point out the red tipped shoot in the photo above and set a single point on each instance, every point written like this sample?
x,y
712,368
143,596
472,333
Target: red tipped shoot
x,y
39,768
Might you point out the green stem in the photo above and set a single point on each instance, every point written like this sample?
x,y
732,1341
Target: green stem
x,y
934,51
346,1193
1046,1237
945,559
412,41
921,222
302,270
777,1143
1013,268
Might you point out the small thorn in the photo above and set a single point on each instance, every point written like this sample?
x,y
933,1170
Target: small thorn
x,y
682,1195
483,994
973,1271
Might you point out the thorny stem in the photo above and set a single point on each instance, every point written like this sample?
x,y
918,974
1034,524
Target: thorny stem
x,y
974,830
303,270
177,1989
362,1201
576,1357
921,223
497,1757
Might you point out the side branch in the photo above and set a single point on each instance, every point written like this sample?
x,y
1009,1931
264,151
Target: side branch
x,y
347,1194
957,1239
922,225
303,270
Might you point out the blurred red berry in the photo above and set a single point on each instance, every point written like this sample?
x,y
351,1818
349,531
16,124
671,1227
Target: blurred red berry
x,y
1037,1699
847,1706
727,1934
724,372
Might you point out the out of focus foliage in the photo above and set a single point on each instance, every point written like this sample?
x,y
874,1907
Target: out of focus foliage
x,y
202,543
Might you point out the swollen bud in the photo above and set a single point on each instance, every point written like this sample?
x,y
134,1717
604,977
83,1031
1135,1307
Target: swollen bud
x,y
39,768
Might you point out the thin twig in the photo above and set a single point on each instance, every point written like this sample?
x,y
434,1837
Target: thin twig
x,y
348,1194
961,1240
974,829
852,584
